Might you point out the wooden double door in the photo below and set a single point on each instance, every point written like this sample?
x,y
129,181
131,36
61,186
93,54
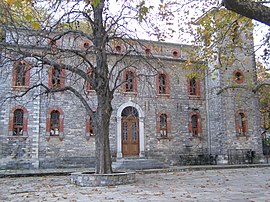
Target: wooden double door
x,y
130,136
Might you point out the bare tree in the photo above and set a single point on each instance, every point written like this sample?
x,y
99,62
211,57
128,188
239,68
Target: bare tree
x,y
103,35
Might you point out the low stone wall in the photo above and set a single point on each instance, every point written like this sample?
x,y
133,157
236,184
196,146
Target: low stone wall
x,y
88,179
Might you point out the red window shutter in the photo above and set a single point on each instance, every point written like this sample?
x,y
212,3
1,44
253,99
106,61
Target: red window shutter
x,y
62,78
198,87
50,77
124,80
199,126
188,86
167,84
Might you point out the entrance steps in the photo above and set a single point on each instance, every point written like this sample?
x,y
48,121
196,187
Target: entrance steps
x,y
137,164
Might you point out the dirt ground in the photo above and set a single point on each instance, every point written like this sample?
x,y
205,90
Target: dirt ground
x,y
249,184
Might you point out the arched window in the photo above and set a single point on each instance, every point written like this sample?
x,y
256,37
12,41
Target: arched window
x,y
130,81
55,123
56,78
163,87
195,126
163,125
18,122
241,123
21,74
194,87
235,29
162,83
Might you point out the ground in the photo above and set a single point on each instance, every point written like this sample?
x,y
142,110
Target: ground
x,y
248,184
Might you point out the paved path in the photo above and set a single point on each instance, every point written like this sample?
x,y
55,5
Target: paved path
x,y
246,184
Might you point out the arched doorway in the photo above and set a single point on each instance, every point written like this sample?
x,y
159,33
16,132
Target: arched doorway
x,y
139,115
130,131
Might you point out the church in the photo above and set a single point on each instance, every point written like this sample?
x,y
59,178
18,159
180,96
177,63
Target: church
x,y
161,110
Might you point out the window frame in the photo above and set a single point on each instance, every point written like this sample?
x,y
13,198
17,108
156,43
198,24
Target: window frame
x,y
89,127
176,53
134,81
26,76
88,86
166,87
195,131
197,87
236,78
61,79
54,126
24,122
60,127
86,45
159,129
243,131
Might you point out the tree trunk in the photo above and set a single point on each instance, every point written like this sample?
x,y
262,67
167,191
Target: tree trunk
x,y
104,95
102,117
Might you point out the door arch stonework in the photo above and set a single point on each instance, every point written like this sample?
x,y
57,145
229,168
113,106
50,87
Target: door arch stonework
x,y
119,128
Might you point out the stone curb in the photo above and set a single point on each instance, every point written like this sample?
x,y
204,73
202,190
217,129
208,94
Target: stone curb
x,y
65,172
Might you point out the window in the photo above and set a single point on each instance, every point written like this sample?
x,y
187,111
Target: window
x,y
195,126
130,81
86,44
175,53
53,43
235,32
241,123
55,123
148,51
163,125
18,122
21,74
238,76
89,128
163,84
118,48
56,78
194,87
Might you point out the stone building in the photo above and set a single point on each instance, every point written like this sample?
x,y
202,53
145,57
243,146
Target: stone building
x,y
164,116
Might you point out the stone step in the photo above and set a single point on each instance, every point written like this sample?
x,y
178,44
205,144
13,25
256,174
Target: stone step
x,y
137,164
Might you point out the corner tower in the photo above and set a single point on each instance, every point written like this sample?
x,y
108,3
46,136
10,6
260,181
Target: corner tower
x,y
232,106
